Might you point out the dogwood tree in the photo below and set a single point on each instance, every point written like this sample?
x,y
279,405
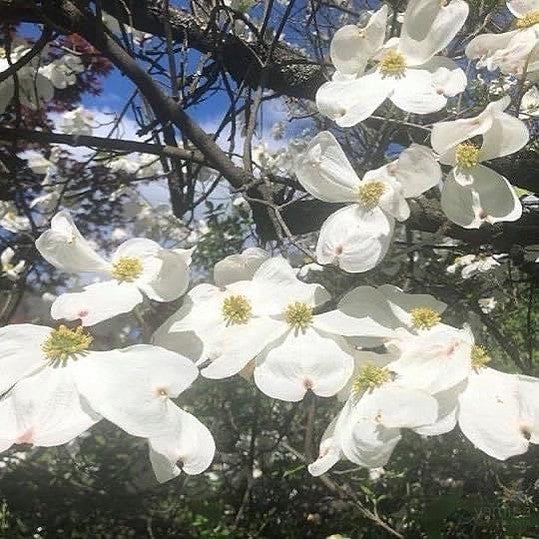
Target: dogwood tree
x,y
327,209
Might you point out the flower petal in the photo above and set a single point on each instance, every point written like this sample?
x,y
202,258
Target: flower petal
x,y
241,343
187,446
489,414
97,302
491,198
47,408
329,452
172,279
363,311
519,8
351,102
304,360
433,360
429,26
239,267
352,47
64,247
132,387
507,135
21,352
325,172
416,93
354,238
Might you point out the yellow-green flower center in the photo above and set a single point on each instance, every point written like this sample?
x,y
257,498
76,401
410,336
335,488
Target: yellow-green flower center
x,y
528,20
467,155
63,343
369,194
393,64
236,309
424,317
298,315
479,357
127,268
369,377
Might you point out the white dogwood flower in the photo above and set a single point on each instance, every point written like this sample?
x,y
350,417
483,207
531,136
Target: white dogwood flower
x,y
407,71
511,52
472,193
139,267
56,388
471,265
357,237
499,412
63,71
270,318
34,86
11,271
368,428
78,121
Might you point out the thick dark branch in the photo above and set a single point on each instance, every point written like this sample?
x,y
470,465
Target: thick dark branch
x,y
118,145
289,72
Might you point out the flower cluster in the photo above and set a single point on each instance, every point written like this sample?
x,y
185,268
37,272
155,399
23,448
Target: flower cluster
x,y
260,320
407,71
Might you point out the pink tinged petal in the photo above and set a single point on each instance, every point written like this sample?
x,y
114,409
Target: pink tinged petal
x,y
417,170
448,78
240,267
329,452
447,411
416,93
241,343
97,302
186,445
489,414
491,198
325,172
354,238
64,247
507,135
519,8
132,387
48,409
351,102
433,360
352,47
301,361
429,26
20,352
172,279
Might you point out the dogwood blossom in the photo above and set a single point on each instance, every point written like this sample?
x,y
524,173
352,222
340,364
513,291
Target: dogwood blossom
x,y
63,71
78,121
368,427
11,271
511,52
139,267
357,236
471,265
472,193
55,388
33,83
270,318
407,72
